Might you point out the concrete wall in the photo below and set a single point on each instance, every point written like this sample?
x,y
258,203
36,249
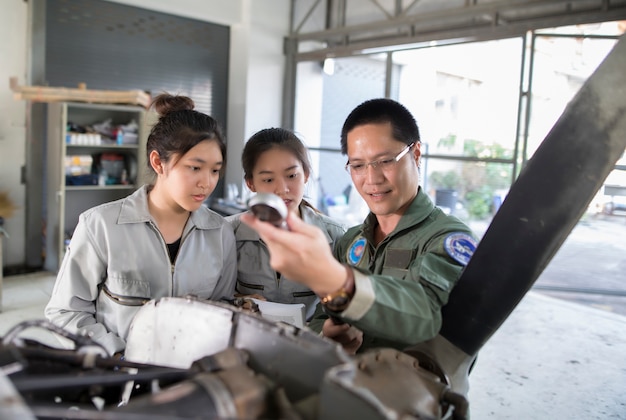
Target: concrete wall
x,y
14,38
255,84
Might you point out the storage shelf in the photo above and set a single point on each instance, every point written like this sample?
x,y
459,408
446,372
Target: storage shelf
x,y
102,146
67,202
99,187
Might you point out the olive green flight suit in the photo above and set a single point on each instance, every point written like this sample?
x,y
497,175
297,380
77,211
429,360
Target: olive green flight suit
x,y
401,284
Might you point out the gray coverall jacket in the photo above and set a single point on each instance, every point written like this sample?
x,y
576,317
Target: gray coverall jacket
x,y
117,260
254,273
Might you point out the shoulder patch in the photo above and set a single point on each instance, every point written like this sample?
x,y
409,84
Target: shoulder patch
x,y
460,246
355,253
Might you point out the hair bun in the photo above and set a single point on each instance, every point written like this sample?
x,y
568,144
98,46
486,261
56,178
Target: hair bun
x,y
165,104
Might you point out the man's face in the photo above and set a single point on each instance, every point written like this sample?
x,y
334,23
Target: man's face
x,y
387,190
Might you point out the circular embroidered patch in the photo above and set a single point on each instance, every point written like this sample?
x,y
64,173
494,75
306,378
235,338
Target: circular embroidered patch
x,y
356,251
460,246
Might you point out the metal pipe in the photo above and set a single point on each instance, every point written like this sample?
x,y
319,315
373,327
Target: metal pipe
x,y
581,290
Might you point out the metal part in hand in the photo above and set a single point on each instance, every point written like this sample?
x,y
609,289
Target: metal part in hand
x,y
269,208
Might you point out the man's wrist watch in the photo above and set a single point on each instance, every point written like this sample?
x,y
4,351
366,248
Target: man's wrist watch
x,y
339,300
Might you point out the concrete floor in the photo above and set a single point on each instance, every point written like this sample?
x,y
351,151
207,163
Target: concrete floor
x,y
562,351
554,357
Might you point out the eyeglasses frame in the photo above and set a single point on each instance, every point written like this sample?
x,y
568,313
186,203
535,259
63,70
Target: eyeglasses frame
x,y
375,163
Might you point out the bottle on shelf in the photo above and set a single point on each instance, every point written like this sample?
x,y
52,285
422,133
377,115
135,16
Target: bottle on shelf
x,y
102,178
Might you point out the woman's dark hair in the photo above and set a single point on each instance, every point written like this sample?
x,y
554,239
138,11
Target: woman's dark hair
x,y
378,111
270,138
180,128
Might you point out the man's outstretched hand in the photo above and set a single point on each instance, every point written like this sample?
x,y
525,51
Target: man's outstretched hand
x,y
301,253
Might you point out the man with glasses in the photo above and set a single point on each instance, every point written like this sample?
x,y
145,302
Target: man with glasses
x,y
389,276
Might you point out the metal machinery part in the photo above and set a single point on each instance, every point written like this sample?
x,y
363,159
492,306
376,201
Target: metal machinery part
x,y
187,358
269,208
190,359
542,207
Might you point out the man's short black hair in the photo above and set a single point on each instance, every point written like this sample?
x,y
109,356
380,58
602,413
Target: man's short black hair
x,y
382,110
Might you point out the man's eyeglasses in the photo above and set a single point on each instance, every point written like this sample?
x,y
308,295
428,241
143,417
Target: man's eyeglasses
x,y
360,168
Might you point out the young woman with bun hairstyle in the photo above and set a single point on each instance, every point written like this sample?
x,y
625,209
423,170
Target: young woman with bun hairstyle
x,y
160,241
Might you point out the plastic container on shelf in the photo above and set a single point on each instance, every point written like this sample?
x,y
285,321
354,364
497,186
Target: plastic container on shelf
x,y
103,178
113,164
83,139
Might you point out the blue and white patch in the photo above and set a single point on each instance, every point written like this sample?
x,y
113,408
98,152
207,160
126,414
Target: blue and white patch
x,y
356,251
460,246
